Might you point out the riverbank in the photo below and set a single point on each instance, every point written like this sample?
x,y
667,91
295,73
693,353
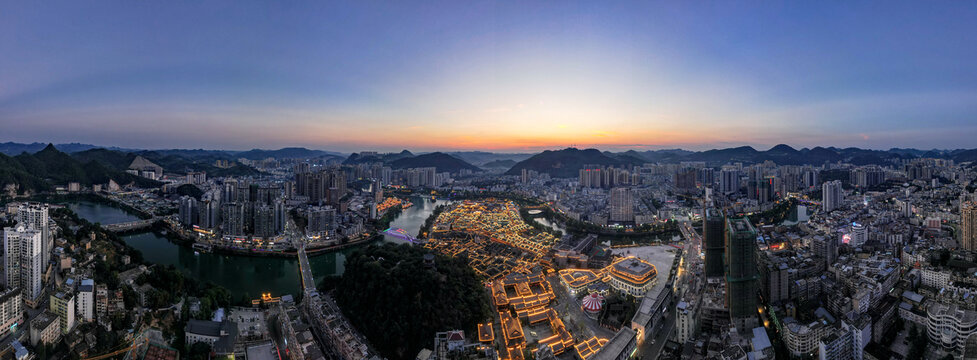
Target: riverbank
x,y
89,197
165,229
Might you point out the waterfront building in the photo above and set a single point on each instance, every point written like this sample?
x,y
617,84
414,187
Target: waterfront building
x,y
322,221
188,211
232,218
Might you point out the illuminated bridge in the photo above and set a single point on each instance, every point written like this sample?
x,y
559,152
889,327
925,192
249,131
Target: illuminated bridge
x,y
401,234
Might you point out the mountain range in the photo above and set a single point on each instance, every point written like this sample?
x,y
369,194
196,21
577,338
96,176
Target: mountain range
x,y
12,148
406,159
49,166
567,162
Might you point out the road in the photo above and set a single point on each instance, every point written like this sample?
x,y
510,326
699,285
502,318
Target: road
x,y
569,308
308,281
651,348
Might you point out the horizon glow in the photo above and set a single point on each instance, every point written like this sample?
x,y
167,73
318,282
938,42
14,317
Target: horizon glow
x,y
495,76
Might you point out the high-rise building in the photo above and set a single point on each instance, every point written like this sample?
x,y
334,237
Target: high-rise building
x,y
859,234
101,300
322,220
686,316
188,211
264,221
86,300
281,216
729,180
232,218
196,177
685,179
826,248
622,204
35,216
22,261
741,273
209,216
831,196
63,305
968,225
713,227
810,178
867,176
11,311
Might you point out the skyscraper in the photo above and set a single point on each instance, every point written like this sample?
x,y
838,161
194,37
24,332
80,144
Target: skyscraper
x,y
622,204
264,221
188,211
22,261
741,273
831,195
729,180
35,216
232,218
968,225
713,225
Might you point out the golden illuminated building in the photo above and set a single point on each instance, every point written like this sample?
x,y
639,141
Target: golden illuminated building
x,y
586,349
577,279
633,275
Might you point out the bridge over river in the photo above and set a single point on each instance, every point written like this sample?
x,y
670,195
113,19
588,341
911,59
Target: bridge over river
x,y
130,225
401,234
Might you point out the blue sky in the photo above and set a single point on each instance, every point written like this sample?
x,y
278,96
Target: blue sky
x,y
505,76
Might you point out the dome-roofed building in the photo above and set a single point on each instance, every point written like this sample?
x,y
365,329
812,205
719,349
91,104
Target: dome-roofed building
x,y
592,304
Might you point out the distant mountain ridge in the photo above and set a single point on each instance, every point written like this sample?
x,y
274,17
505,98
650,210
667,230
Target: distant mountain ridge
x,y
172,162
567,162
406,159
49,167
443,162
12,148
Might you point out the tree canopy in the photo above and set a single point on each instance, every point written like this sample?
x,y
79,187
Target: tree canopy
x,y
399,303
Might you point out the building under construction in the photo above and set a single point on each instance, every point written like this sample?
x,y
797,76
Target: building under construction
x,y
713,225
741,273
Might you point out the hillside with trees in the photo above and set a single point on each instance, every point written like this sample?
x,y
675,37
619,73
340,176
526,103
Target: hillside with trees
x,y
44,169
399,303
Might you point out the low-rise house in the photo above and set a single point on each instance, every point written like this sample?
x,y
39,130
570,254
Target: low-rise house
x,y
221,336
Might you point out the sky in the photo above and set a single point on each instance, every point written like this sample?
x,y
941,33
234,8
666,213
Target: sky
x,y
501,76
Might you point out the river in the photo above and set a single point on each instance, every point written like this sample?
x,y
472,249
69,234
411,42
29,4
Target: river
x,y
242,275
412,218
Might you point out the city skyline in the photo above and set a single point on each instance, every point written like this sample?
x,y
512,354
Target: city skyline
x,y
504,77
